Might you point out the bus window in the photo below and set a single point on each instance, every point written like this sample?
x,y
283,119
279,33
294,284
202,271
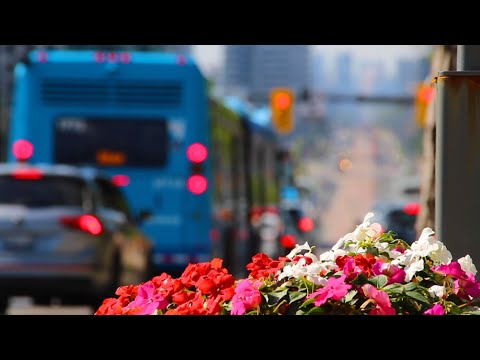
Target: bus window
x,y
103,141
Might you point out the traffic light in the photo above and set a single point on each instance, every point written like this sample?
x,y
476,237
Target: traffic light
x,y
423,98
282,102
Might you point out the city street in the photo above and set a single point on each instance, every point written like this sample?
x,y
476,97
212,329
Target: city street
x,y
25,306
355,190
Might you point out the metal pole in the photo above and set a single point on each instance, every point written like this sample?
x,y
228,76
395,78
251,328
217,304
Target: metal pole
x,y
457,191
468,57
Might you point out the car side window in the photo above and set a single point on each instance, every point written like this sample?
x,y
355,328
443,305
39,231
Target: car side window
x,y
112,197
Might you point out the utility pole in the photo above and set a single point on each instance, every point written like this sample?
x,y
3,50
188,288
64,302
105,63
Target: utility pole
x,y
458,155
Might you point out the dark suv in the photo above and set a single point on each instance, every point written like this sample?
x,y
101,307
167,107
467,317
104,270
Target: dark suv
x,y
67,233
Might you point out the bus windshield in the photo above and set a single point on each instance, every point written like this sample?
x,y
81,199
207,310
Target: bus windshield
x,y
110,142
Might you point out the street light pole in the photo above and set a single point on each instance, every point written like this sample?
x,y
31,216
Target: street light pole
x,y
468,57
457,192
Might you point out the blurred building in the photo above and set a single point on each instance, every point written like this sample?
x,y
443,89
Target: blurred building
x,y
409,74
251,71
345,82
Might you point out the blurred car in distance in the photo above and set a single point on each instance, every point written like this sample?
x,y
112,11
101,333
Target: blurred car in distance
x,y
67,233
399,217
299,218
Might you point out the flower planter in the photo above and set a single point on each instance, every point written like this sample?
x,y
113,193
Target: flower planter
x,y
366,272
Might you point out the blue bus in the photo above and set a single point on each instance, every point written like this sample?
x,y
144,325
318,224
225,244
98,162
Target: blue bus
x,y
181,156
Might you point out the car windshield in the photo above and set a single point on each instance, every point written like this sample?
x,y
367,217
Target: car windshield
x,y
47,191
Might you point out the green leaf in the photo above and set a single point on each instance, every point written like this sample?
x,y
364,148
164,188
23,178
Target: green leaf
x,y
277,296
360,280
394,289
410,286
350,295
296,295
307,302
471,311
372,250
317,310
417,296
379,281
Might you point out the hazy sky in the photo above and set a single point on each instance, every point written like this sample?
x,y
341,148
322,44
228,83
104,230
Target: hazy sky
x,y
211,55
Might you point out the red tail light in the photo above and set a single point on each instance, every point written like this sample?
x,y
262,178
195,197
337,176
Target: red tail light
x,y
27,174
22,149
120,180
87,223
412,208
197,184
306,224
288,241
197,153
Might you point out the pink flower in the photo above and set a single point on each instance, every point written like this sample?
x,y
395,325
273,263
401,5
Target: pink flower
x,y
246,297
350,269
436,309
467,288
147,300
335,289
381,300
453,269
394,273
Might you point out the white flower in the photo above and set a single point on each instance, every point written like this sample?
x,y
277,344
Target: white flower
x,y
467,265
441,255
298,249
365,229
331,255
311,271
411,262
437,290
427,245
413,268
383,248
361,233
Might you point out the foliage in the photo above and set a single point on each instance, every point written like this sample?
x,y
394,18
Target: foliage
x,y
366,272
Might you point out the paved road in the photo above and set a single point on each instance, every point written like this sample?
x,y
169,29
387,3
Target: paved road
x,y
25,306
355,191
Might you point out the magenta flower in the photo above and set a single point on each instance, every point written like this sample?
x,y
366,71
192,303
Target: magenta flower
x,y
350,269
246,297
436,309
335,289
147,300
394,273
453,269
381,300
467,288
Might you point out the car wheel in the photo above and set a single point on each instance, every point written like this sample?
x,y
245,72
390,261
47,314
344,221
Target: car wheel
x,y
3,306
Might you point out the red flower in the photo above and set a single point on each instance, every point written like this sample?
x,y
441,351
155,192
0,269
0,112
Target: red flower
x,y
206,285
263,266
182,297
191,307
110,306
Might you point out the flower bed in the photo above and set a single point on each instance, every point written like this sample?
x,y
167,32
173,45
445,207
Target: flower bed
x,y
365,273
